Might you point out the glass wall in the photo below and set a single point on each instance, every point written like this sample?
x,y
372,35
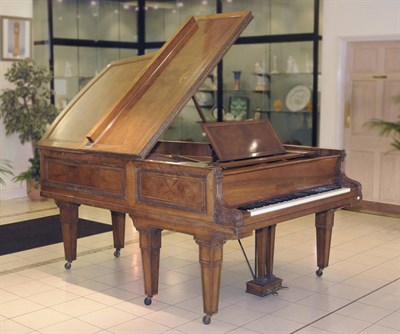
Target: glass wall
x,y
74,67
269,73
94,20
163,18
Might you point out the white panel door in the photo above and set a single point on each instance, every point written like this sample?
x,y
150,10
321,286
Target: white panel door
x,y
373,83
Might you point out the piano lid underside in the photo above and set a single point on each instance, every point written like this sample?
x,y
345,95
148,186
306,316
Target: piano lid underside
x,y
128,107
100,95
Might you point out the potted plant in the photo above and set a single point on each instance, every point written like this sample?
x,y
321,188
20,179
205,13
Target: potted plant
x,y
26,110
388,128
5,168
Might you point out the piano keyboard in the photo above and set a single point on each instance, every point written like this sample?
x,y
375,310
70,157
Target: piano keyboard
x,y
294,199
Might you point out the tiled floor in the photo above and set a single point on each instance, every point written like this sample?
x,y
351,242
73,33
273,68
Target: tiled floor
x,y
358,293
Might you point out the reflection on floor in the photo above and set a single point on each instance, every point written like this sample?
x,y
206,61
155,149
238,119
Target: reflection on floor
x,y
358,293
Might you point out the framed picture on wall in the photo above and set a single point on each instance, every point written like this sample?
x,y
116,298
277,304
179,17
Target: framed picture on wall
x,y
239,107
16,33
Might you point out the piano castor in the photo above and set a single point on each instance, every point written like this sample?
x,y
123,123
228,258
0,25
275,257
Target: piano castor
x,y
104,150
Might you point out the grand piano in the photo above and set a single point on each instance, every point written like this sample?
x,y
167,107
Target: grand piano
x,y
104,150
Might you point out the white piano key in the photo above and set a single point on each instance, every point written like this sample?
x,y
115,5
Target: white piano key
x,y
298,201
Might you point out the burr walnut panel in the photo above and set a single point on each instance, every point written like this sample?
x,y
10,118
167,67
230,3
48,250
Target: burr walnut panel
x,y
185,192
94,178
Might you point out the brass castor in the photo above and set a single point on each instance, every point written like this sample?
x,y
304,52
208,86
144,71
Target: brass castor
x,y
319,272
117,252
206,319
147,301
67,265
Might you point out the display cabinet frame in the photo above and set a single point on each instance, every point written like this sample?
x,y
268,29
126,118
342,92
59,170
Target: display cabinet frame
x,y
141,45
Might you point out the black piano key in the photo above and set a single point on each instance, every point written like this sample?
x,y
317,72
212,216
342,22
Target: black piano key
x,y
289,197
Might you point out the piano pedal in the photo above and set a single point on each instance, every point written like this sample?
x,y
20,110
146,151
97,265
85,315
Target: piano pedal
x,y
276,293
265,285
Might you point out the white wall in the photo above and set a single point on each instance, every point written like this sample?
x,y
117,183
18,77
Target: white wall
x,y
346,21
10,147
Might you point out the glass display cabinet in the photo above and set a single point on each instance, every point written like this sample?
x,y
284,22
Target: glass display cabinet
x,y
270,73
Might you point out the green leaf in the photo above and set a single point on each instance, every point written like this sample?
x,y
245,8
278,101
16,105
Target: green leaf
x,y
25,108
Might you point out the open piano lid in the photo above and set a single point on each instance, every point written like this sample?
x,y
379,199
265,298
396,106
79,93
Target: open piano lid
x,y
126,108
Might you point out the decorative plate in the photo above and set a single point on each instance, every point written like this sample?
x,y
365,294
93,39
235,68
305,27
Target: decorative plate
x,y
298,97
205,99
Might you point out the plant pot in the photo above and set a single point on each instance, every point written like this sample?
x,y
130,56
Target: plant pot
x,y
33,190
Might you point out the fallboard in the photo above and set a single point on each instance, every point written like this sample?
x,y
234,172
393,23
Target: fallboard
x,y
249,185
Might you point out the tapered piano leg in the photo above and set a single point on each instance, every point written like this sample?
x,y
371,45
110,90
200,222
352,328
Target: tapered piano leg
x,y
118,224
265,281
210,257
324,225
150,244
69,229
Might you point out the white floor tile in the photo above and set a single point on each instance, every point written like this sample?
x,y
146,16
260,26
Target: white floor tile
x,y
270,324
299,313
13,279
324,302
382,300
313,283
18,307
41,318
111,296
71,326
197,327
365,282
241,330
107,317
293,294
172,316
345,291
6,297
392,321
340,324
364,312
101,294
312,330
78,307
53,297
139,326
137,307
238,315
376,329
28,288
11,327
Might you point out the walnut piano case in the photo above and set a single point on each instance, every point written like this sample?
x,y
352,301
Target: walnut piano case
x,y
104,150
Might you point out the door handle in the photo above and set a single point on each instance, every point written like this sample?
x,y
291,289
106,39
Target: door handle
x,y
379,76
347,115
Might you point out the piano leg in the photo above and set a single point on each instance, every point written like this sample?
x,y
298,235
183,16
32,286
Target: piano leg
x,y
265,282
69,228
210,257
324,225
118,225
150,244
